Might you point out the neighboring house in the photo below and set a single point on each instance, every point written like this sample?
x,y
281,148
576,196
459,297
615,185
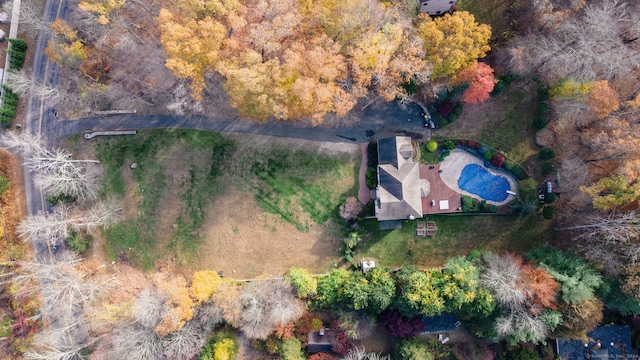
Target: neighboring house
x,y
436,7
399,192
319,341
442,323
605,342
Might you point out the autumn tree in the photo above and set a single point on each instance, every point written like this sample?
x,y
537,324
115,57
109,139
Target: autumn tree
x,y
180,305
611,192
304,282
453,42
481,83
64,47
602,99
580,317
350,209
418,292
204,284
101,8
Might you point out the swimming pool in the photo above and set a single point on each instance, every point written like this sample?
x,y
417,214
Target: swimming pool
x,y
476,180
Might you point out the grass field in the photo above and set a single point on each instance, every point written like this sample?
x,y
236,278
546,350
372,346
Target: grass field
x,y
497,13
455,236
172,192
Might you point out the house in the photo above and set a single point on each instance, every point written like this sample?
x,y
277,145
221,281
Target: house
x,y
436,7
442,323
319,341
400,189
605,342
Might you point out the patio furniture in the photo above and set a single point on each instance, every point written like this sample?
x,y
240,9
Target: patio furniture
x,y
421,232
420,224
431,232
431,225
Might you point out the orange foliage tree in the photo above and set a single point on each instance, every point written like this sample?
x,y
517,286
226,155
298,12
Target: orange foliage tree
x,y
602,99
481,83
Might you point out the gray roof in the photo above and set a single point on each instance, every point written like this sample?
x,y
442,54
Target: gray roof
x,y
620,336
399,183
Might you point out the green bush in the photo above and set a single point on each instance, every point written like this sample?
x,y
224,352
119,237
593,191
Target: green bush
x,y
8,110
443,155
528,188
508,165
548,211
519,173
79,242
493,209
547,168
457,109
546,154
550,198
540,121
452,117
432,146
17,54
442,122
5,184
467,203
448,144
488,154
372,178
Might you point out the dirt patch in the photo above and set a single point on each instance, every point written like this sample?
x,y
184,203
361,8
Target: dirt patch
x,y
243,241
13,208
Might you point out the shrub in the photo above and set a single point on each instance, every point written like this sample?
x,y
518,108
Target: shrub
x,y
549,198
5,184
540,121
448,144
483,149
488,155
519,173
412,349
350,209
432,146
443,155
548,211
493,209
497,159
60,199
442,122
467,203
78,241
473,144
372,178
400,326
528,188
17,54
547,168
8,109
452,117
445,108
508,165
546,154
291,349
457,109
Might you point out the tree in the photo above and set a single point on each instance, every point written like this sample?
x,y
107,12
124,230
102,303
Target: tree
x,y
291,349
350,209
415,348
610,192
360,354
306,285
400,326
431,146
577,280
453,42
135,343
331,289
23,84
56,227
179,303
56,170
502,275
265,305
64,47
580,317
418,292
373,291
102,8
602,99
149,308
614,227
185,343
481,83
204,284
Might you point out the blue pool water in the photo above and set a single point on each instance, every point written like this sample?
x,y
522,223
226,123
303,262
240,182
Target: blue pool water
x,y
478,181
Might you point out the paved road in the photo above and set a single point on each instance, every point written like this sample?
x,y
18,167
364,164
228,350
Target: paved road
x,y
379,120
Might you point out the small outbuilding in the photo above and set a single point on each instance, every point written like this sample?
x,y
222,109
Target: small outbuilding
x,y
605,342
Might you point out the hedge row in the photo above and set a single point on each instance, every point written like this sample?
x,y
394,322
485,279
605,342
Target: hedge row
x,y
8,109
17,53
540,119
470,205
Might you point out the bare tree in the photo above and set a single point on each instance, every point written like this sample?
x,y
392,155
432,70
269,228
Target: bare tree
x,y
55,227
136,343
149,308
208,316
185,343
502,275
23,84
612,228
265,305
62,343
361,354
56,170
31,19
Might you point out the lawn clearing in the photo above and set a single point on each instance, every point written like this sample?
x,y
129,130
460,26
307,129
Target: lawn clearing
x,y
456,235
226,203
504,121
497,13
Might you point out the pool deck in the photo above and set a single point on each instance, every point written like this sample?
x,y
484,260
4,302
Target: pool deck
x,y
439,191
452,169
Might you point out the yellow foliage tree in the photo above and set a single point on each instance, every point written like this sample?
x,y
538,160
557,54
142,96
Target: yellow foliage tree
x,y
612,191
103,8
64,47
453,42
570,89
603,99
204,284
180,303
224,350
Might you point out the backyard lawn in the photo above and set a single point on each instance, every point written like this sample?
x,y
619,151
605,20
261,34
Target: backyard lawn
x,y
456,235
226,203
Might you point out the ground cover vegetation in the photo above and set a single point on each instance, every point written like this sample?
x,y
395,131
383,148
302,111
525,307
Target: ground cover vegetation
x,y
296,186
